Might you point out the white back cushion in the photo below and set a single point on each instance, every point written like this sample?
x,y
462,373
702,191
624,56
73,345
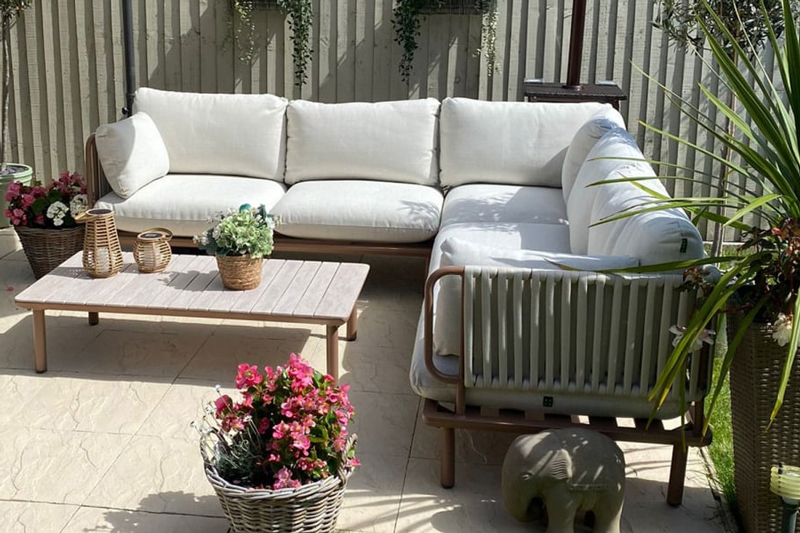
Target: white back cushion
x,y
234,134
514,143
132,153
455,251
655,238
583,142
613,152
388,141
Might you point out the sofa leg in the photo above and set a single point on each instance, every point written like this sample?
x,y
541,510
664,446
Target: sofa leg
x,y
677,475
447,475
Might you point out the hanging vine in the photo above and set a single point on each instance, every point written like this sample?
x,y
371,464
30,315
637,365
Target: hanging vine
x,y
300,15
406,24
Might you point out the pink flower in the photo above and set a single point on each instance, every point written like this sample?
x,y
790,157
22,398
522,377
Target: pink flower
x,y
283,480
222,403
27,200
280,430
302,443
263,426
248,376
39,220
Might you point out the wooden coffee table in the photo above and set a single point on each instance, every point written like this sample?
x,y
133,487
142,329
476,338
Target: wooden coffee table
x,y
306,292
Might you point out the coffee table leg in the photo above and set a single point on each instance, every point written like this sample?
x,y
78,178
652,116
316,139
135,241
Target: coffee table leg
x,y
94,318
352,325
332,342
39,341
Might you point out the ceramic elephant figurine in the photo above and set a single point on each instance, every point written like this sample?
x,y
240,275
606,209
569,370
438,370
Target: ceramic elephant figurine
x,y
568,471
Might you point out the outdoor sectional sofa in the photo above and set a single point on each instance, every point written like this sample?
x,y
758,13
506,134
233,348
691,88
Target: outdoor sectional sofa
x,y
520,330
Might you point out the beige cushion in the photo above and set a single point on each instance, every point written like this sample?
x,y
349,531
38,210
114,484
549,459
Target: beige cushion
x,y
504,203
514,143
229,134
184,203
389,141
132,153
363,211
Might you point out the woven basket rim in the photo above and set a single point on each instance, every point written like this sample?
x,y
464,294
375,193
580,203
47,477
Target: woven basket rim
x,y
26,229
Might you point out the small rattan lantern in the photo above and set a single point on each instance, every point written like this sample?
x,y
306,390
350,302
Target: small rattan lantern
x,y
152,251
102,255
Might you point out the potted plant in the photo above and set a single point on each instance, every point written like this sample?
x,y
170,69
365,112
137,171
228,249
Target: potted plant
x,y
280,455
756,292
239,240
45,219
9,172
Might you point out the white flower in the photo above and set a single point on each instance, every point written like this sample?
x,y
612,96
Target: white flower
x,y
782,330
56,212
706,336
78,204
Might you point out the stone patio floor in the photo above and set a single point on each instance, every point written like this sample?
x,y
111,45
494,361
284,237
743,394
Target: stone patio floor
x,y
102,443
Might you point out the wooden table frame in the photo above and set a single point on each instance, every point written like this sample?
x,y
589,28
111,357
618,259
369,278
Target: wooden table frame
x,y
331,323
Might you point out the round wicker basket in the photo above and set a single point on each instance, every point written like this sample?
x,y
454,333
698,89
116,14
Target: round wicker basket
x,y
312,508
239,272
48,248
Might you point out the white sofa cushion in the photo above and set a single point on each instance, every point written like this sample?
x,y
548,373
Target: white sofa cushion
x,y
504,203
515,143
184,203
364,211
389,141
456,251
610,156
583,142
231,134
132,153
655,238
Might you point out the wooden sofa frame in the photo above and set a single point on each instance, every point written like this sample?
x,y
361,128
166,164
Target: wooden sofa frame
x,y
97,186
462,416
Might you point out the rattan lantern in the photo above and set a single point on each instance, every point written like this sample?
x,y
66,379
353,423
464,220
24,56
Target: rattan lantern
x,y
102,255
151,251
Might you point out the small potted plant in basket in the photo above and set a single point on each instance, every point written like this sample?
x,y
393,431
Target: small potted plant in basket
x,y
239,240
279,458
45,219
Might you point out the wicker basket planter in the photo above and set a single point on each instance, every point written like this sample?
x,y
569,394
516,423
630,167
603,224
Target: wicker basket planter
x,y
755,375
312,508
48,248
239,272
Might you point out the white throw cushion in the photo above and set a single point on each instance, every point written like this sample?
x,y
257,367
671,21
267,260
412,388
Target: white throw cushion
x,y
583,142
389,141
515,143
611,153
132,153
230,134
363,211
447,332
655,238
183,203
504,203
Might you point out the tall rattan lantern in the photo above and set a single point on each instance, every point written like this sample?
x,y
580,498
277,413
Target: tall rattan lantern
x,y
151,251
102,255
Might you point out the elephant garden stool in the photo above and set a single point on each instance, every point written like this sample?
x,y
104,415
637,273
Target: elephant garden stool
x,y
566,471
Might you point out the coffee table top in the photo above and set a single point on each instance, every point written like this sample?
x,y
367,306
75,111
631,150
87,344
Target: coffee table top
x,y
319,291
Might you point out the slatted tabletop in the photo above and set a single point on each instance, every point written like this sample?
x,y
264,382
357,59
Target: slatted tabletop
x,y
316,292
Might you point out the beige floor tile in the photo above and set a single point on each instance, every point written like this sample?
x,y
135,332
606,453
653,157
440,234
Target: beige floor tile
x,y
132,353
268,330
157,475
219,357
384,423
8,242
54,466
373,494
386,329
30,517
473,505
90,519
73,402
17,255
472,447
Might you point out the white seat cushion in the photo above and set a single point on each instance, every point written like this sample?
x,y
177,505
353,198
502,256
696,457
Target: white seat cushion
x,y
388,141
583,142
132,153
229,134
504,203
362,211
514,143
184,203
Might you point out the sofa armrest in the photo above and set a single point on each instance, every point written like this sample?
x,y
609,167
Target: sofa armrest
x,y
96,184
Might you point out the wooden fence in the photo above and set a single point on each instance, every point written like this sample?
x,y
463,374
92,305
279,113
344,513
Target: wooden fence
x,y
68,63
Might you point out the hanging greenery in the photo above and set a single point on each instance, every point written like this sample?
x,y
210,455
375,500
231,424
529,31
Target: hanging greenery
x,y
300,15
406,24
